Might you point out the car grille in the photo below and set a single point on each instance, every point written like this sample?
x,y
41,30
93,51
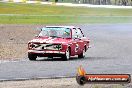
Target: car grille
x,y
45,46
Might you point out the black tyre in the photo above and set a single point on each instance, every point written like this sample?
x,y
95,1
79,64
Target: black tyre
x,y
82,55
32,57
67,55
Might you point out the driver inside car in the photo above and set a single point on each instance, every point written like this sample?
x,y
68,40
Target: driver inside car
x,y
53,33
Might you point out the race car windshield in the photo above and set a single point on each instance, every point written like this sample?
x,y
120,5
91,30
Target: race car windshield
x,y
55,32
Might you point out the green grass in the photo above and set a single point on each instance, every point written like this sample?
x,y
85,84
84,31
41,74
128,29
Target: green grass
x,y
50,14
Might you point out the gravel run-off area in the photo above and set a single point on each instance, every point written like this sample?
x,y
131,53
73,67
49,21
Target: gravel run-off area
x,y
14,39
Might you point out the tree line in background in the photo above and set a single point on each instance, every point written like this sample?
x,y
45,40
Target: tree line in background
x,y
107,2
98,2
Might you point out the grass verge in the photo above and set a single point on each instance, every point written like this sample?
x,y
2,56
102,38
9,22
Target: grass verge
x,y
61,19
12,13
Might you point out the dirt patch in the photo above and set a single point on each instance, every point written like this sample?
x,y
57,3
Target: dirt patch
x,y
14,39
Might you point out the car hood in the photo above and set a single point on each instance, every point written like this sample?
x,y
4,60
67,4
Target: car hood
x,y
50,40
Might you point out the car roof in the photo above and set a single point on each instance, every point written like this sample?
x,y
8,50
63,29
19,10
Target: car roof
x,y
63,26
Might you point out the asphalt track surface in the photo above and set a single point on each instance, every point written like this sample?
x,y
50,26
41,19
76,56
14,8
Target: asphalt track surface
x,y
110,52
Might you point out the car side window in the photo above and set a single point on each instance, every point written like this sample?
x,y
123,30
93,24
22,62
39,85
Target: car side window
x,y
79,33
74,33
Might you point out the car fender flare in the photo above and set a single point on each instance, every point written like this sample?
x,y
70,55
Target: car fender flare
x,y
68,47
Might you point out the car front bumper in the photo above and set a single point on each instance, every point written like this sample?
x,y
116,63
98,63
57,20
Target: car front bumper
x,y
46,52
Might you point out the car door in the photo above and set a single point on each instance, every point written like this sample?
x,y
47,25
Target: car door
x,y
80,40
75,45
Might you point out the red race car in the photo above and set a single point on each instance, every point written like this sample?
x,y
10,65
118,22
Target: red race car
x,y
58,41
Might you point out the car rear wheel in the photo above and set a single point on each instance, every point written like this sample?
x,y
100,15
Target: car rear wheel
x,y
32,57
67,55
82,55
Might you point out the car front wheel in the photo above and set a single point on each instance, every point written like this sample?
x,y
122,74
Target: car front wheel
x,y
82,55
32,57
67,55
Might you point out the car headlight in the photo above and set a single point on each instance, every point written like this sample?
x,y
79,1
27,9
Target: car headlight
x,y
31,45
